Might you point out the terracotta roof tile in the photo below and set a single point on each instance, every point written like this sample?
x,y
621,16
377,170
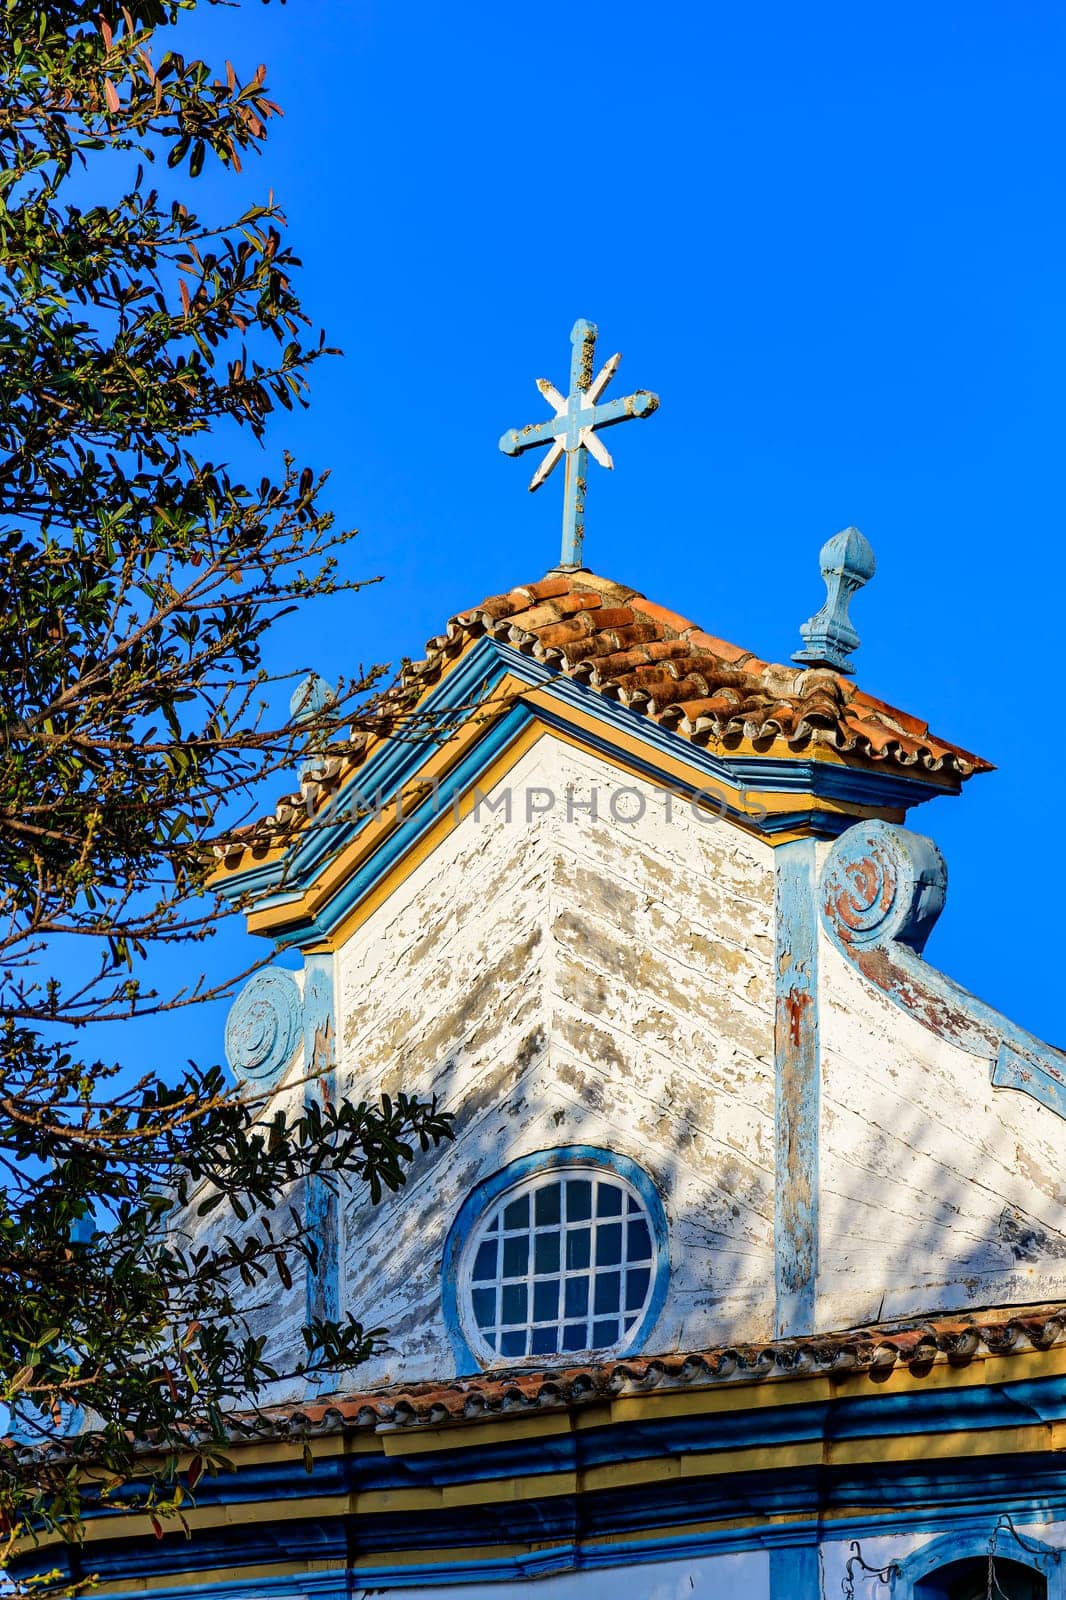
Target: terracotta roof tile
x,y
547,589
876,1348
657,662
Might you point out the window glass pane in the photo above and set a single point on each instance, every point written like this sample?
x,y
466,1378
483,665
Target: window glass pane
x,y
515,1301
544,1342
608,1294
608,1244
608,1200
484,1307
969,1580
633,1205
546,1204
485,1261
516,1256
512,1344
639,1241
574,1336
604,1333
577,1247
637,1281
546,1253
578,1199
546,1301
577,1297
516,1215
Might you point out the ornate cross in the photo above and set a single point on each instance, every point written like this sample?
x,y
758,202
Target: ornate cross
x,y
572,431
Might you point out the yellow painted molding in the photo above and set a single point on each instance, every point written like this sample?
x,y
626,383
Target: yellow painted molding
x,y
416,1441
737,1397
493,705
963,1444
212,1576
628,754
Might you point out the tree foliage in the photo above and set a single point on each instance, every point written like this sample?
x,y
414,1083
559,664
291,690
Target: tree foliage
x,y
139,579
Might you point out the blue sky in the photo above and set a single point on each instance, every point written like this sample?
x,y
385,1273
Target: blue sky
x,y
830,237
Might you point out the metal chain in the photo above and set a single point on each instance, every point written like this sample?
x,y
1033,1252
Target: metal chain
x,y
882,1574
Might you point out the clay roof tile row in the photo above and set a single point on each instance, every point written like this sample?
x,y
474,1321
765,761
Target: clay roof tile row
x,y
660,664
876,1349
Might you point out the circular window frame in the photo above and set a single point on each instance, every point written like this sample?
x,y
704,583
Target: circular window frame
x,y
472,1352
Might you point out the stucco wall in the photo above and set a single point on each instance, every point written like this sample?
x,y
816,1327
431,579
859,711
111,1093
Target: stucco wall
x,y
740,1576
564,979
569,973
938,1191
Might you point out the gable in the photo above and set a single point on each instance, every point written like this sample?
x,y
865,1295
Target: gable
x,y
606,924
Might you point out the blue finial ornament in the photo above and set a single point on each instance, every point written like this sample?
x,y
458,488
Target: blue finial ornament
x,y
847,563
311,696
572,431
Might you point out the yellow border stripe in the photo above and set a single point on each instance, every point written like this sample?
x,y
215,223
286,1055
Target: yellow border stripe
x,y
628,754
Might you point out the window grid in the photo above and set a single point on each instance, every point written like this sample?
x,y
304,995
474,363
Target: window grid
x,y
563,1263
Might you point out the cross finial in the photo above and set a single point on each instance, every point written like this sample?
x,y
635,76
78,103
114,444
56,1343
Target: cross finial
x,y
572,431
847,563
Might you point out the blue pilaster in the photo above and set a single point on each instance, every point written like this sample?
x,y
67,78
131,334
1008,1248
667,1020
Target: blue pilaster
x,y
323,1289
795,1572
796,1087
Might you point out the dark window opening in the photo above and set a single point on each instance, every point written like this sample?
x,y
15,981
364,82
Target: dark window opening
x,y
968,1580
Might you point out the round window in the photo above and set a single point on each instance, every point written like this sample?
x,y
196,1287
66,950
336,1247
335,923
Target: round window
x,y
561,1262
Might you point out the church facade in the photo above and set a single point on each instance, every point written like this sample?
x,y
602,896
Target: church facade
x,y
743,1276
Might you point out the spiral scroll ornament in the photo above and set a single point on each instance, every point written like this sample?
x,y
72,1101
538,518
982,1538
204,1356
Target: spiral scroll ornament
x,y
264,1026
882,885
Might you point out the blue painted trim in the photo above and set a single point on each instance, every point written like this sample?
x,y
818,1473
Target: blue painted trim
x,y
470,682
969,1537
960,1545
385,773
795,1572
332,1585
925,1497
489,1189
410,830
797,1087
320,1028
768,824
1038,1073
464,777
882,889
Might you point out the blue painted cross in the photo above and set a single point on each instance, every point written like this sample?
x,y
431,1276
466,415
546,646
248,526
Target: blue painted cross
x,y
572,431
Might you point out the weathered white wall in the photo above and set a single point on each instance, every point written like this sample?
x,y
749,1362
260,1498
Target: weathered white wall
x,y
268,1307
568,979
742,1576
937,1190
560,977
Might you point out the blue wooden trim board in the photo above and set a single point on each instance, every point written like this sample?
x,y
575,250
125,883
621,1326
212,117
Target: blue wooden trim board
x,y
323,1285
797,1070
472,681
